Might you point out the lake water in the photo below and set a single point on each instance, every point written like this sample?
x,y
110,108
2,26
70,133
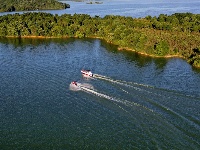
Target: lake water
x,y
133,8
136,102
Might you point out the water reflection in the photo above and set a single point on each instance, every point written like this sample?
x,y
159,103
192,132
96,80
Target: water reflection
x,y
160,63
141,60
21,44
131,56
197,70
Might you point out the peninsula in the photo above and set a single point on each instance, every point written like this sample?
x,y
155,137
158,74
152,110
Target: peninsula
x,y
30,5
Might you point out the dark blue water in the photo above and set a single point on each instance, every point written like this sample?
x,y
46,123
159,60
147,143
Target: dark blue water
x,y
131,8
137,102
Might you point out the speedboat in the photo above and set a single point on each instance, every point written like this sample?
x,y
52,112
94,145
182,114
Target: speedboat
x,y
75,86
87,73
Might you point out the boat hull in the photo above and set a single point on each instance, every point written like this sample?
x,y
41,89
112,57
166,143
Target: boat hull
x,y
87,73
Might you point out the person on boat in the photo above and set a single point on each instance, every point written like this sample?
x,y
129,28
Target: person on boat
x,y
74,82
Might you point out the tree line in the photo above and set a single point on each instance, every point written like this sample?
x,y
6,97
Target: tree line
x,y
177,34
27,5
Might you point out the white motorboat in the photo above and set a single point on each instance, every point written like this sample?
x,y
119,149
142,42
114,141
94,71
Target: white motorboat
x,y
87,73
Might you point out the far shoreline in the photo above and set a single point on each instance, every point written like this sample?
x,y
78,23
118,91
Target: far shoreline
x,y
36,5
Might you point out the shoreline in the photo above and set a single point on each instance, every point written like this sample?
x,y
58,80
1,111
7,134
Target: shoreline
x,y
143,53
35,37
119,48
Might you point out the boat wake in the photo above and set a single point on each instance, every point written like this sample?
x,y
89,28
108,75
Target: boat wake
x,y
113,99
162,101
141,87
76,86
124,83
140,99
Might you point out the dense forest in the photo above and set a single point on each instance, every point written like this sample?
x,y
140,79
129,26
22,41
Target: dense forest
x,y
177,34
26,5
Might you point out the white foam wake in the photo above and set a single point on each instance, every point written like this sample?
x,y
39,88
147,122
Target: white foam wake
x,y
125,102
124,83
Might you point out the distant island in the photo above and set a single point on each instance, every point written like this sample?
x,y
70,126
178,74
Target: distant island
x,y
94,3
88,1
29,5
177,35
